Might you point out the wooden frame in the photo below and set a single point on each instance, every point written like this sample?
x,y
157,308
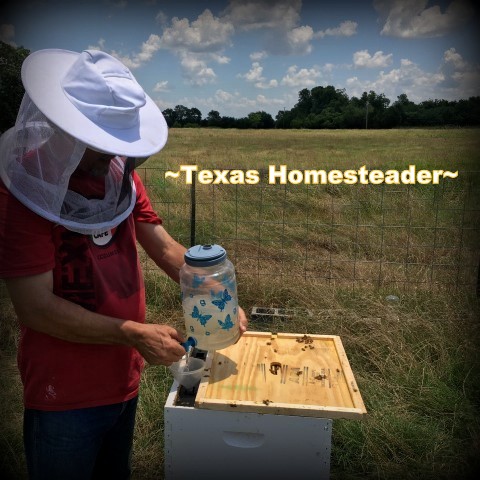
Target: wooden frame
x,y
282,374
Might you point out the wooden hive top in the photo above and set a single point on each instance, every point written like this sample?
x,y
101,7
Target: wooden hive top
x,y
284,374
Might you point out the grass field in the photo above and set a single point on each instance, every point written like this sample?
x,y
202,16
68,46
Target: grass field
x,y
337,251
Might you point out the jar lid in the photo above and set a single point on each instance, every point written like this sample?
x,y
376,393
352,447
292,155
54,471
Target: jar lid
x,y
205,255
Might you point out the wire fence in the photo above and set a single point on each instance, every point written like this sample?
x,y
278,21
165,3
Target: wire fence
x,y
397,236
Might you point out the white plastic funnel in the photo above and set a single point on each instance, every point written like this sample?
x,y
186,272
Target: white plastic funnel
x,y
188,374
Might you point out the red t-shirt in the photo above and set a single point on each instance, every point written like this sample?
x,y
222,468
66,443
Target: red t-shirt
x,y
101,273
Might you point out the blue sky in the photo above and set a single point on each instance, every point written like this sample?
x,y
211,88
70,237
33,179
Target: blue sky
x,y
240,56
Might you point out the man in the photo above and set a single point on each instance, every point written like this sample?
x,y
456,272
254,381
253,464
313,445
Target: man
x,y
71,210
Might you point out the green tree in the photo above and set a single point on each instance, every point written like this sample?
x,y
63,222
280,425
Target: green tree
x,y
403,107
230,122
304,104
284,118
353,115
170,116
260,120
213,118
375,106
11,87
194,116
181,114
328,97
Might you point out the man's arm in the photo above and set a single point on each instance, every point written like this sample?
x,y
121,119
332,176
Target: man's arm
x,y
37,307
161,248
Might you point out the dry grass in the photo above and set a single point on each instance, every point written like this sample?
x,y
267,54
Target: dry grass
x,y
319,148
397,236
415,362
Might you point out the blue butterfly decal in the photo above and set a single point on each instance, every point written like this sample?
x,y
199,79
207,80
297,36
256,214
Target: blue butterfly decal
x,y
221,299
227,324
197,280
203,319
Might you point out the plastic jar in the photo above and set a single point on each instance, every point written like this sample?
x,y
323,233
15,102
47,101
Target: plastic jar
x,y
209,297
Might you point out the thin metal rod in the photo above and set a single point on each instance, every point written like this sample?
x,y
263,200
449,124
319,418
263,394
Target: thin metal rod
x,y
192,210
478,279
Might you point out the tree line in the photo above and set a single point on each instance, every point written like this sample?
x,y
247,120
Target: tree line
x,y
317,108
330,108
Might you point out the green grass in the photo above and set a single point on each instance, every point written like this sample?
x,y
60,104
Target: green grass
x,y
336,251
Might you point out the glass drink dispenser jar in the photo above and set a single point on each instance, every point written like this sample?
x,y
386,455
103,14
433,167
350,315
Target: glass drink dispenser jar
x,y
209,297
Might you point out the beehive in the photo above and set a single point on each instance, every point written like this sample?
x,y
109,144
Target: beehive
x,y
282,374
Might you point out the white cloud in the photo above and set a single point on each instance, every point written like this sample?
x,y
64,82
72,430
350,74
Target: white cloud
x,y
462,78
264,14
161,86
305,77
454,79
162,104
279,23
223,96
255,76
345,29
409,78
197,44
220,59
196,70
147,50
206,34
264,101
363,59
257,56
226,103
328,68
7,34
468,84
237,105
451,56
265,85
99,46
412,18
299,39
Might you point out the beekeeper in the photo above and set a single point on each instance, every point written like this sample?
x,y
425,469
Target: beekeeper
x,y
71,210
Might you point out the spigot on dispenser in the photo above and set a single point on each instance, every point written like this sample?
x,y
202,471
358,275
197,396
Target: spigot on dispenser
x,y
188,345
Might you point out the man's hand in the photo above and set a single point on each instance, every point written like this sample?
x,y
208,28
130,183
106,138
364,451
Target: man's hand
x,y
158,344
242,320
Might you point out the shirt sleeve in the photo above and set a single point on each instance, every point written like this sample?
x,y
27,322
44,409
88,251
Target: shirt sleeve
x,y
143,210
26,240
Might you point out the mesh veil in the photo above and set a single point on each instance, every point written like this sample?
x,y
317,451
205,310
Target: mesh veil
x,y
37,160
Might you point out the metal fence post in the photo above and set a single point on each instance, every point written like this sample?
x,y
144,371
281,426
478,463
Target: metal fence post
x,y
478,279
192,210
